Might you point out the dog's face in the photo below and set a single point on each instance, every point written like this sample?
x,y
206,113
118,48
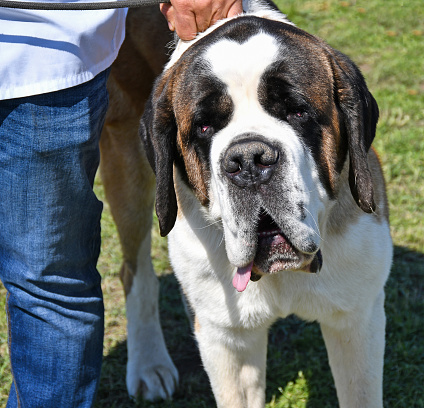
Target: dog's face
x,y
259,117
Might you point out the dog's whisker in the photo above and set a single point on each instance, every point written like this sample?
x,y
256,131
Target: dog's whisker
x,y
201,193
220,242
208,225
317,232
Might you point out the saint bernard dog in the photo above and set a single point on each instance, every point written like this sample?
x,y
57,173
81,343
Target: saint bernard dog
x,y
259,135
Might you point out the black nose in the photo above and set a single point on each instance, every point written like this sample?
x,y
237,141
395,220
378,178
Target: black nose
x,y
250,162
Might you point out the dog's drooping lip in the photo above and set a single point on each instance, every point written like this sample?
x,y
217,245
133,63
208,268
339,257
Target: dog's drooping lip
x,y
274,253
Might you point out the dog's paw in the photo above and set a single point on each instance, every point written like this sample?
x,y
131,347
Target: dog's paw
x,y
152,382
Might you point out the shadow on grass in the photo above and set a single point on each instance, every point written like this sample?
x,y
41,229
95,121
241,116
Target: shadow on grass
x,y
294,347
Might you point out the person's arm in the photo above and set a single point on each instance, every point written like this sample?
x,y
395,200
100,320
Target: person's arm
x,y
189,17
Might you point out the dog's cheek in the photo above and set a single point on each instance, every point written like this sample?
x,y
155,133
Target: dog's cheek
x,y
197,175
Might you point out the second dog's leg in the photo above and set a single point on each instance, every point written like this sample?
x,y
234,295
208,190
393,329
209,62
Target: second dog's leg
x,y
129,185
150,370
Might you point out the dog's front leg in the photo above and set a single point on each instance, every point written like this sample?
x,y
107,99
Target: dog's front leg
x,y
235,360
356,356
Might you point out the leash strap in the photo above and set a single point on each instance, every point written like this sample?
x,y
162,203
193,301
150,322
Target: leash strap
x,y
100,5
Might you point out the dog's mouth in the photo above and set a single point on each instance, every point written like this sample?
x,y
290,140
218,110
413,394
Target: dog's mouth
x,y
274,253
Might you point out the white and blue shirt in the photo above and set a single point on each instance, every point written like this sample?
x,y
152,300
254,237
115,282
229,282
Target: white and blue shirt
x,y
45,51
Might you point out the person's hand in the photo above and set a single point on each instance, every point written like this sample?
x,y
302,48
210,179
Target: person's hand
x,y
189,17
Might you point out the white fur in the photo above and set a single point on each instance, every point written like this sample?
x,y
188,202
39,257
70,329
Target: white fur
x,y
240,65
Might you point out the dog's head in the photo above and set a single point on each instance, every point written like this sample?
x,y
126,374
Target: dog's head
x,y
260,117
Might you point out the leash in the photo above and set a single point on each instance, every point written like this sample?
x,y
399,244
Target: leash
x,y
100,5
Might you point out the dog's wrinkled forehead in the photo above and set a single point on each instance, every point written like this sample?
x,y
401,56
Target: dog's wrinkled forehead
x,y
246,54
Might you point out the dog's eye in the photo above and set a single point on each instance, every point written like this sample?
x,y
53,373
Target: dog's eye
x,y
298,115
204,131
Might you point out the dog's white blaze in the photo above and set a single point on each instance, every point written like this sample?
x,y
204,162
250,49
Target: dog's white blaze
x,y
240,66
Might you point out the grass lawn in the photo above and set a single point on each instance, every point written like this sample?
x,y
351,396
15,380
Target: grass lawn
x,y
386,39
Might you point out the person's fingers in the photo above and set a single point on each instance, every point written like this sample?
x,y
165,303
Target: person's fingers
x,y
180,18
185,26
203,11
235,9
167,11
188,17
228,9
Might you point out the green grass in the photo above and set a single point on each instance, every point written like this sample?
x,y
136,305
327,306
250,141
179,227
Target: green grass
x,y
386,39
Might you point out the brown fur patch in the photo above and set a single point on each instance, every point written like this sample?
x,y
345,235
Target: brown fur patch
x,y
184,108
197,175
126,275
332,152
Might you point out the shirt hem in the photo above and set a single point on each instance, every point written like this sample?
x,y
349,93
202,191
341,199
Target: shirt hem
x,y
57,84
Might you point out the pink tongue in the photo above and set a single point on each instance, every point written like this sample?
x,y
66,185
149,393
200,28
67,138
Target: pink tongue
x,y
242,277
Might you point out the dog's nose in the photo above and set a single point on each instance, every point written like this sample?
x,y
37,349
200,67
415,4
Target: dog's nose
x,y
250,162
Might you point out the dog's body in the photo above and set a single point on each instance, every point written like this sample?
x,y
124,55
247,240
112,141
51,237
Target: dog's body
x,y
259,135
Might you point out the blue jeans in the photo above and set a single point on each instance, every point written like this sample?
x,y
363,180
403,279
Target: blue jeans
x,y
50,243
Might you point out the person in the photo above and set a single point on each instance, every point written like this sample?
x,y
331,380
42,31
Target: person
x,y
53,71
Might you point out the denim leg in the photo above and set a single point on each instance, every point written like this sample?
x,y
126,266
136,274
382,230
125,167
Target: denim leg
x,y
50,243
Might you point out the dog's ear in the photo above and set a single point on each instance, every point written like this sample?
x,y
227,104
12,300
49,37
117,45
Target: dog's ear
x,y
360,115
158,131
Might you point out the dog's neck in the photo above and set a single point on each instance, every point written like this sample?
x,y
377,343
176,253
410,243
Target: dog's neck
x,y
258,8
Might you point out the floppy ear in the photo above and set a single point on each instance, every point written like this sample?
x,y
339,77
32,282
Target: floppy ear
x,y
360,116
158,131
